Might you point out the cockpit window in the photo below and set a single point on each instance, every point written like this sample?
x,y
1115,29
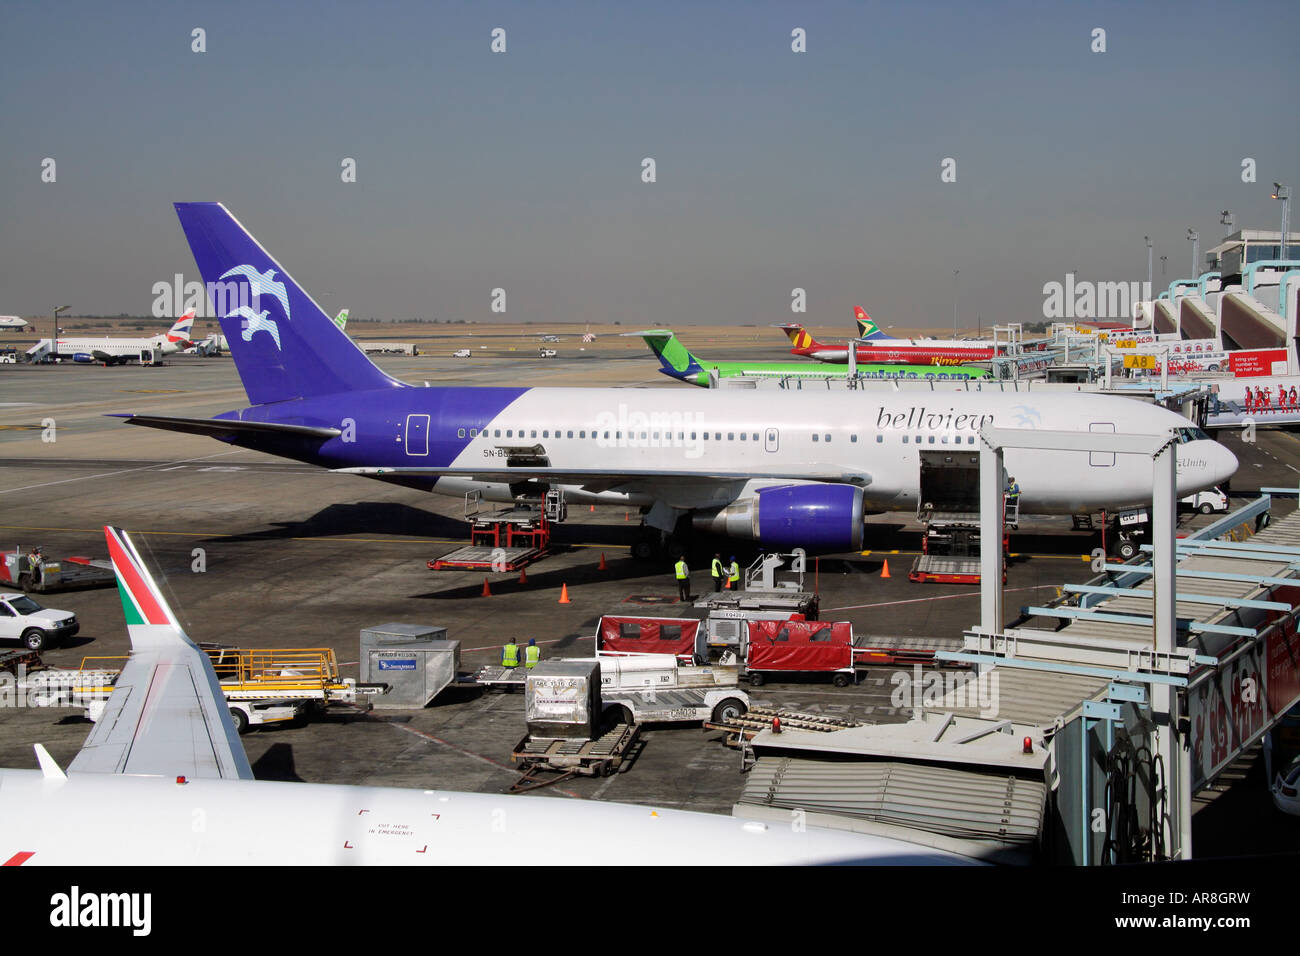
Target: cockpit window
x,y
1191,434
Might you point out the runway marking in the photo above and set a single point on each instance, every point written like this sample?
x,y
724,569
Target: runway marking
x,y
124,471
945,597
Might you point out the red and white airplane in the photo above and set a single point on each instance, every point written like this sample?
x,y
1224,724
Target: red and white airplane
x,y
879,348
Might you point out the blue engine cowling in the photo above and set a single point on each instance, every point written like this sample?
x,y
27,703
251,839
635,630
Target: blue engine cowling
x,y
83,357
821,518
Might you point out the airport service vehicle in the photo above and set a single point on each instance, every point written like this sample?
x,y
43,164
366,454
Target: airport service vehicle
x,y
8,356
678,362
949,512
504,540
892,351
22,619
461,353
546,353
261,686
1286,789
789,469
1206,502
107,350
72,572
166,744
659,688
798,647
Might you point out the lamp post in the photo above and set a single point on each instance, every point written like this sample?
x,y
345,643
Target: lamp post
x,y
1149,252
1283,193
54,341
954,302
1163,261
1194,238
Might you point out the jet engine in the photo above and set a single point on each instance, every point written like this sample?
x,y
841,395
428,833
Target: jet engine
x,y
821,518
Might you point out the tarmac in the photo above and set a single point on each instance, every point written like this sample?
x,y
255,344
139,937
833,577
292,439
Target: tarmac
x,y
253,551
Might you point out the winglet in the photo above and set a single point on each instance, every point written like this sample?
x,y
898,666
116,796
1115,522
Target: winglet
x,y
149,620
49,767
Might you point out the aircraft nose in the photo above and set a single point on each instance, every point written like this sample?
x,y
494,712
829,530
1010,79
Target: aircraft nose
x,y
1223,464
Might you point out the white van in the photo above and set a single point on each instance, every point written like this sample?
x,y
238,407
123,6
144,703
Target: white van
x,y
1206,502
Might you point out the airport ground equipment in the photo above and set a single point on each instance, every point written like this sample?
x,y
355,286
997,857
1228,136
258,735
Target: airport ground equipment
x,y
681,637
62,575
948,509
568,732
505,540
414,661
640,688
773,590
261,686
798,647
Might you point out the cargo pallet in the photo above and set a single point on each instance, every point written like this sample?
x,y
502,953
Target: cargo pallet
x,y
10,661
571,757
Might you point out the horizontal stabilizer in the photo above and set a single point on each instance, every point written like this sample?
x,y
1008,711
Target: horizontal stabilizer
x,y
219,427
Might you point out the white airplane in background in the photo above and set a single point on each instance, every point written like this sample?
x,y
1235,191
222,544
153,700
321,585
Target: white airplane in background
x,y
166,749
118,351
15,323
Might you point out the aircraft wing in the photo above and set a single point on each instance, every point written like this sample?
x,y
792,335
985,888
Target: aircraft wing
x,y
167,715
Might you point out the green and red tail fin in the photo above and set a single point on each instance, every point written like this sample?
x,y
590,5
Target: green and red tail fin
x,y
149,619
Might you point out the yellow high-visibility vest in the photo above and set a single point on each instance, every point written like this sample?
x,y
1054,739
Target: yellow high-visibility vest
x,y
734,574
532,654
717,568
680,568
510,655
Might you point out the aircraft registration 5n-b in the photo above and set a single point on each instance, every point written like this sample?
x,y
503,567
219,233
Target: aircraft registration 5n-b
x,y
788,469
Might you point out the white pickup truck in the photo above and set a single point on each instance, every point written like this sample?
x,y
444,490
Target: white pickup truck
x,y
22,619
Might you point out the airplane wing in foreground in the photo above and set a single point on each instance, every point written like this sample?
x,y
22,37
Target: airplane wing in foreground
x,y
167,715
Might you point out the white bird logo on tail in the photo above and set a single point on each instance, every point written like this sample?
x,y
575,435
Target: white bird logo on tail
x,y
256,322
259,283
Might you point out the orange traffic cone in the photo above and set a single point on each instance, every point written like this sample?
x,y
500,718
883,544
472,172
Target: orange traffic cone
x,y
593,508
523,575
884,572
564,594
487,591
603,565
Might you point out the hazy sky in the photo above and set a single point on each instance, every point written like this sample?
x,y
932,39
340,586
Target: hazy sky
x,y
522,170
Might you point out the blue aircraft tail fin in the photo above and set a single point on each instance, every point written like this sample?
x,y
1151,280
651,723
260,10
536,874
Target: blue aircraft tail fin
x,y
283,345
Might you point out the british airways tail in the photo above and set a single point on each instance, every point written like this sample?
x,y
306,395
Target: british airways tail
x,y
283,345
867,328
180,332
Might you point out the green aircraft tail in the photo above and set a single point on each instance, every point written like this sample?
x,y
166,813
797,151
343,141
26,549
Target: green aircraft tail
x,y
675,358
341,320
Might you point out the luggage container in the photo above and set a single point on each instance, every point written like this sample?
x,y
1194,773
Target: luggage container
x,y
562,700
798,647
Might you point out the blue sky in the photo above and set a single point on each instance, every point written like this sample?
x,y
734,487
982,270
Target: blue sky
x,y
521,170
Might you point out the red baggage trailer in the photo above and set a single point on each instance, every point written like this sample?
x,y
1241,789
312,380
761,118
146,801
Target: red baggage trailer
x,y
799,647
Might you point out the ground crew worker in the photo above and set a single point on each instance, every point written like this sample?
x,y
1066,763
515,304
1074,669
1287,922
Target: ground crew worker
x,y
683,574
733,575
510,654
1013,497
718,573
35,566
532,654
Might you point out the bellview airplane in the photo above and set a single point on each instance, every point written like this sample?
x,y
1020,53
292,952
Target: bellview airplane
x,y
679,363
118,351
165,752
789,469
894,351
